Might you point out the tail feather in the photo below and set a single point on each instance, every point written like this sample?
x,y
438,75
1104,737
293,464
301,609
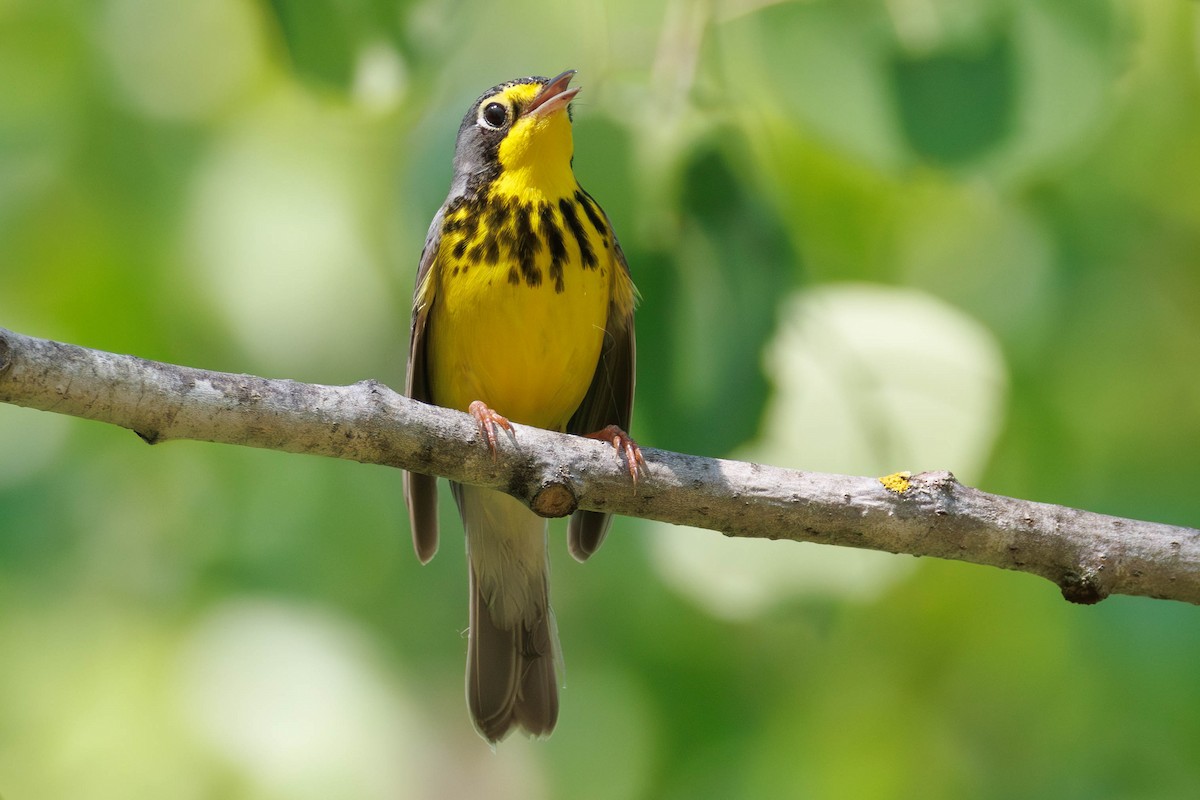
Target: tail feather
x,y
537,700
510,674
513,644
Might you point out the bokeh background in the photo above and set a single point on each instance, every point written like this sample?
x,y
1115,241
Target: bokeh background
x,y
870,236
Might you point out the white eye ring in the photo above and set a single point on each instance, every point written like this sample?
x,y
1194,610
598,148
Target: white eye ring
x,y
493,115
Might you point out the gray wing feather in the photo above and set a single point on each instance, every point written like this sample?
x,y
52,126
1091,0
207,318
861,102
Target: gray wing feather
x,y
420,491
609,401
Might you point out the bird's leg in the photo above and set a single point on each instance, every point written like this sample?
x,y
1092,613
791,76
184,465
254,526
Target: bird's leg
x,y
489,421
625,446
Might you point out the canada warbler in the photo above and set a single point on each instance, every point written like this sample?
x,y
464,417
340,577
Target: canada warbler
x,y
523,311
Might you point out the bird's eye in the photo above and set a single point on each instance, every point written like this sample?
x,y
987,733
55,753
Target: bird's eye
x,y
494,115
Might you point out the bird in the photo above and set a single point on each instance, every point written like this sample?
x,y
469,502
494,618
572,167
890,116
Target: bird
x,y
522,312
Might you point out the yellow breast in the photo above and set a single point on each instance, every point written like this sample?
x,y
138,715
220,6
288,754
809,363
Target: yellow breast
x,y
522,285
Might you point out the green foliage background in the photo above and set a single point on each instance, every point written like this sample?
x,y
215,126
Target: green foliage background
x,y
870,236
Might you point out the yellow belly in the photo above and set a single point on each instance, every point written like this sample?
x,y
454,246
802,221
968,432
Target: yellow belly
x,y
528,352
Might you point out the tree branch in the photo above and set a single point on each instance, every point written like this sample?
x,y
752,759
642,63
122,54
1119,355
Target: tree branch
x,y
1088,555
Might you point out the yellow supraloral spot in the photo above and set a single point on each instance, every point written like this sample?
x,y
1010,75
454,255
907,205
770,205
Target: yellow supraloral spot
x,y
896,482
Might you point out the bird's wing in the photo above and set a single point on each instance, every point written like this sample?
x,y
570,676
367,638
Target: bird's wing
x,y
420,491
609,401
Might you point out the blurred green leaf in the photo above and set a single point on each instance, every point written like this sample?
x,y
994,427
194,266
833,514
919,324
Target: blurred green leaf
x,y
709,307
319,38
325,40
956,105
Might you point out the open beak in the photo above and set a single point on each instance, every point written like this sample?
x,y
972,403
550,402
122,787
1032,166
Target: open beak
x,y
554,96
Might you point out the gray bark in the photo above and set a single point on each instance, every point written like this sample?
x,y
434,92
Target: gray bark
x,y
1088,555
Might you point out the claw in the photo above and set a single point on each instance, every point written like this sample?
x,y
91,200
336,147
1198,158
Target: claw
x,y
625,446
489,421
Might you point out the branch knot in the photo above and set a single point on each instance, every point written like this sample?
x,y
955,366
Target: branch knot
x,y
554,499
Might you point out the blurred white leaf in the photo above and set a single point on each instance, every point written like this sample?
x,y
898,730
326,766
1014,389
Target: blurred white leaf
x,y
278,238
296,699
869,380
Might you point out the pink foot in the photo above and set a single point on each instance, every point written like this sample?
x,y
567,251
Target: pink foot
x,y
624,444
489,421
